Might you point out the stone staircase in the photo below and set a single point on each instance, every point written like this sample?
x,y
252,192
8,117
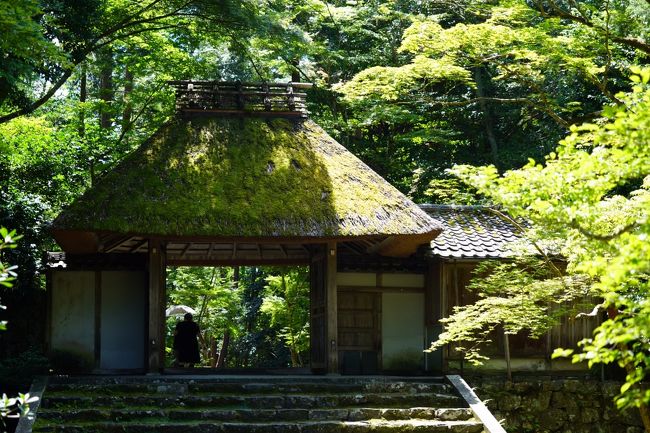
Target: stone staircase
x,y
252,404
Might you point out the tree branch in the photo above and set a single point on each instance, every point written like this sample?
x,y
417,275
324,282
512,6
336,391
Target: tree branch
x,y
105,38
40,101
558,12
608,237
539,249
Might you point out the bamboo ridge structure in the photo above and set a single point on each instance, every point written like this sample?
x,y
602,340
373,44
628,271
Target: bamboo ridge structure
x,y
236,97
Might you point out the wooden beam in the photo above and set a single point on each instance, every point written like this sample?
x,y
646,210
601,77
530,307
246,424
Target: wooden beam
x,y
139,245
177,261
332,309
156,340
434,361
98,318
369,289
116,244
77,242
187,247
402,245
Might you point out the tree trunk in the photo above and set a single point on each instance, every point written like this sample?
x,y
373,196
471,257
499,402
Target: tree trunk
x,y
295,72
128,105
506,349
81,129
224,349
213,352
480,78
294,358
644,411
226,335
83,96
106,87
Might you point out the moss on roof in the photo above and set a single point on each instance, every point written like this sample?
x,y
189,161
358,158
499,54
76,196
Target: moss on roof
x,y
244,177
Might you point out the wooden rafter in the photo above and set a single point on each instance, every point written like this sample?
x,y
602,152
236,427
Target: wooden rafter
x,y
139,245
116,244
187,247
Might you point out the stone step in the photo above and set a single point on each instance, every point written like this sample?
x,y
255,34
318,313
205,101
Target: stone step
x,y
249,415
268,401
166,387
374,426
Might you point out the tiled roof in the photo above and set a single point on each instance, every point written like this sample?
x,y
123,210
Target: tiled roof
x,y
472,232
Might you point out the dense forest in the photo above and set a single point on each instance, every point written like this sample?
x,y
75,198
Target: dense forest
x,y
539,106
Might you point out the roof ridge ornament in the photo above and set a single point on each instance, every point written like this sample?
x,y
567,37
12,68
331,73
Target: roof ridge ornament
x,y
220,98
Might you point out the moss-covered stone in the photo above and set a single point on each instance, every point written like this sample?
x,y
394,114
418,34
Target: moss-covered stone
x,y
244,177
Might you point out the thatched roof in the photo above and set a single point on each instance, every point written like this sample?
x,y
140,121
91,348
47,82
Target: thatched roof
x,y
244,177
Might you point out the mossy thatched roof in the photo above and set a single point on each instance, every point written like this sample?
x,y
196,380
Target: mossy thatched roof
x,y
244,177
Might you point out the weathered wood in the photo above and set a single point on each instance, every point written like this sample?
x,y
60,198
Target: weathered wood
x,y
240,98
359,321
381,289
332,310
156,340
480,411
317,311
241,262
433,313
26,422
98,317
403,245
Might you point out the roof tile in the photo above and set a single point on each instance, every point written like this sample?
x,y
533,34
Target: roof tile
x,y
472,232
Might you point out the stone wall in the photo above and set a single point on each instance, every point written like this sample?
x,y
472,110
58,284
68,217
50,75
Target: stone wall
x,y
540,405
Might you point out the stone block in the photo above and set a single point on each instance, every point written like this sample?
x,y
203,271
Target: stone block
x,y
537,402
552,420
589,415
563,400
572,385
508,402
590,388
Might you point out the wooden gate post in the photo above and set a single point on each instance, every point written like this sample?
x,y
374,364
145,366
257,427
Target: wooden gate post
x,y
332,310
156,340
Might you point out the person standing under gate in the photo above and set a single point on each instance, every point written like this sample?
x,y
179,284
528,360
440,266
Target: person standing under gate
x,y
186,345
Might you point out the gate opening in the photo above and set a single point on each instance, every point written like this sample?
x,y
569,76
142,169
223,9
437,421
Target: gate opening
x,y
248,318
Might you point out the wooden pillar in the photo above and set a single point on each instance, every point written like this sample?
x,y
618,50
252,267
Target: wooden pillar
x,y
156,340
332,310
433,314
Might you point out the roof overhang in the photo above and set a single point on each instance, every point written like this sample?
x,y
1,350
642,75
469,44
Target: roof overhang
x,y
186,250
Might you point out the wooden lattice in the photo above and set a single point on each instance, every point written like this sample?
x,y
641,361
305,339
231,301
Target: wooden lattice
x,y
279,99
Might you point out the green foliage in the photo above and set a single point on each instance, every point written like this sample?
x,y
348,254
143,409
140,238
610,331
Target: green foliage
x,y
10,407
264,311
7,273
481,82
592,197
287,303
215,296
525,295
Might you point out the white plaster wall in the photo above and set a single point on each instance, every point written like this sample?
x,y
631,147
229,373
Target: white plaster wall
x,y
402,325
123,319
73,313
